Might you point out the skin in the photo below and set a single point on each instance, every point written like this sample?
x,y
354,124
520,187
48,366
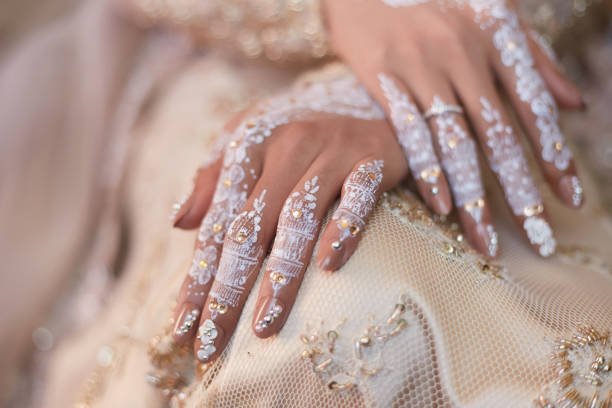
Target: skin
x,y
427,52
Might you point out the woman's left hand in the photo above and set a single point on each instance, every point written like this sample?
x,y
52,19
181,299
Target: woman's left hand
x,y
286,162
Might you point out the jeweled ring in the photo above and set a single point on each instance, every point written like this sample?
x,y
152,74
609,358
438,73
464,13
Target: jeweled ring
x,y
438,107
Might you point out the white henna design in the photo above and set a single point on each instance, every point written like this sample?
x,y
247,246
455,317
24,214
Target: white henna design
x,y
539,233
358,200
460,162
412,132
241,253
508,162
341,96
297,226
511,42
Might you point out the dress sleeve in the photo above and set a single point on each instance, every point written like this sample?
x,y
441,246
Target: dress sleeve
x,y
277,30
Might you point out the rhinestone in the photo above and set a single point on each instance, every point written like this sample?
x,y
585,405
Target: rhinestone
x,y
435,190
372,176
354,230
336,245
410,117
364,341
233,144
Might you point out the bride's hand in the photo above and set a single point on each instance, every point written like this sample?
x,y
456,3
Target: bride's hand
x,y
284,166
445,57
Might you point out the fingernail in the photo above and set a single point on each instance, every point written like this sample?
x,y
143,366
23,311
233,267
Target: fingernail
x,y
540,235
186,319
487,239
179,209
324,263
209,335
572,191
267,320
436,199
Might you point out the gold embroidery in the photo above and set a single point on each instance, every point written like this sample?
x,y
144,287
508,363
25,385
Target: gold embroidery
x,y
340,373
446,234
582,366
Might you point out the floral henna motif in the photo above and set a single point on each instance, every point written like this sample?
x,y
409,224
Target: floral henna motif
x,y
341,96
539,233
460,162
412,132
511,43
241,253
297,227
508,162
358,200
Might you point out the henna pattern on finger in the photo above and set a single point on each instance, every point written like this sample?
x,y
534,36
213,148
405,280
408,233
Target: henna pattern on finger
x,y
508,162
460,163
296,230
241,252
358,200
511,43
297,226
412,133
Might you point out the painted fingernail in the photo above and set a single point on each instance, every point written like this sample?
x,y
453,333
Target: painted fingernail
x,y
540,235
487,239
267,320
438,202
179,209
210,335
186,320
571,188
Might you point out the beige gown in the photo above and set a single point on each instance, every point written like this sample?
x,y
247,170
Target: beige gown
x,y
414,319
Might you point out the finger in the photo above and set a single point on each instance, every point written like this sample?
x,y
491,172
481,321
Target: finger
x,y
244,248
537,110
415,139
360,193
297,230
190,210
458,155
502,149
566,93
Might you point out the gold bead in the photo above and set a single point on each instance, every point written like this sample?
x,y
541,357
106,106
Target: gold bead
x,y
203,264
217,227
233,144
227,182
344,223
410,117
533,210
297,213
354,230
372,176
559,146
241,237
452,142
365,341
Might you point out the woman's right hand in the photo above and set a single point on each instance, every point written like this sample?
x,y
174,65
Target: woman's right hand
x,y
286,162
446,58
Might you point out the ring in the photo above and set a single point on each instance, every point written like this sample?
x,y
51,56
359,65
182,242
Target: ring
x,y
438,107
